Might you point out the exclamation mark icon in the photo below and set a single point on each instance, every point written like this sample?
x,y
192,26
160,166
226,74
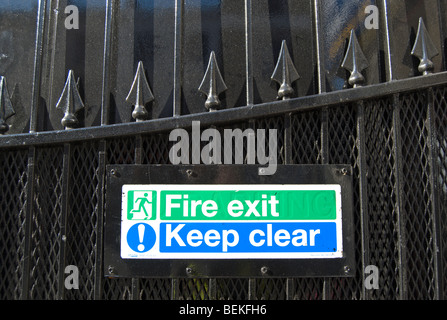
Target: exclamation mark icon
x,y
141,229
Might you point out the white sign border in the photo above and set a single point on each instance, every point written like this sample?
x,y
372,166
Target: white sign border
x,y
154,254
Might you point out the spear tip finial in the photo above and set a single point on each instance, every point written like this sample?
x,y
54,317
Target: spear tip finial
x,y
355,61
140,94
424,49
212,84
285,73
70,102
6,109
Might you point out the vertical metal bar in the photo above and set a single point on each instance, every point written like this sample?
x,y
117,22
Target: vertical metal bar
x,y
388,32
212,291
64,219
102,147
249,51
38,51
363,193
397,149
435,203
321,80
443,32
288,150
28,223
138,160
175,289
98,281
250,93
252,289
288,159
138,149
178,57
105,99
325,135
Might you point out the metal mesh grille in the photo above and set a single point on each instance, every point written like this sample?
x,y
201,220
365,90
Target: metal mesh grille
x,y
383,246
232,289
417,201
342,128
82,220
440,109
46,224
306,137
395,197
13,182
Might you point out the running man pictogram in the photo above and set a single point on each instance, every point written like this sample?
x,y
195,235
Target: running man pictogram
x,y
141,205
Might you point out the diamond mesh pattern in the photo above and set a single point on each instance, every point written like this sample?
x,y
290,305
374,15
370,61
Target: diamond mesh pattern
x,y
155,289
232,289
306,149
117,289
46,227
342,144
440,108
82,217
270,289
306,137
156,149
13,181
307,289
383,246
193,289
417,196
273,123
121,150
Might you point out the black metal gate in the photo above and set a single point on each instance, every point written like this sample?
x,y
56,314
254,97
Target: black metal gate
x,y
391,128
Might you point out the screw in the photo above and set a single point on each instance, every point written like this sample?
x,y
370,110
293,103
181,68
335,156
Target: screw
x,y
264,270
347,269
344,171
189,172
111,269
113,172
188,271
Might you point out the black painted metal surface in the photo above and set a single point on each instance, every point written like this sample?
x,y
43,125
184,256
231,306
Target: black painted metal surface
x,y
392,131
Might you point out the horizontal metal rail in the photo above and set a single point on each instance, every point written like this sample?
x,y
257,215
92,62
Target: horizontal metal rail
x,y
270,109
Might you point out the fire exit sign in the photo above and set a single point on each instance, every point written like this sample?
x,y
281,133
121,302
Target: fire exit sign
x,y
231,221
228,221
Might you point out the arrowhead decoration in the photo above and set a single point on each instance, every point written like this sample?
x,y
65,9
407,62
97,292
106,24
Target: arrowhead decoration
x,y
70,102
424,49
355,62
285,73
6,109
140,94
212,84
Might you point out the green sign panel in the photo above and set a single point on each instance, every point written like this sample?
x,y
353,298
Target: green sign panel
x,y
248,205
